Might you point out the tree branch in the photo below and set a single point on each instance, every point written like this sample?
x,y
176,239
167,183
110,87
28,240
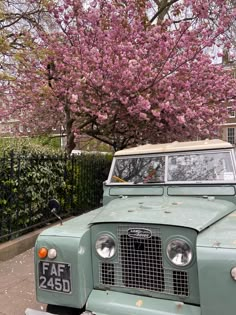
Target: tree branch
x,y
162,8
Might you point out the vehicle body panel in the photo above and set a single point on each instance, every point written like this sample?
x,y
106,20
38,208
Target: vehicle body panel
x,y
226,192
216,286
222,234
196,213
72,228
216,252
128,304
76,252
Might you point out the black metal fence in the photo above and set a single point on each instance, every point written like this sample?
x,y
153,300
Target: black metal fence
x,y
28,182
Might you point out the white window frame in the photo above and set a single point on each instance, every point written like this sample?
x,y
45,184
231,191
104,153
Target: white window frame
x,y
230,111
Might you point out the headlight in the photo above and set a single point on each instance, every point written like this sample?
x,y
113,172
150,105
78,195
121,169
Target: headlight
x,y
105,246
179,252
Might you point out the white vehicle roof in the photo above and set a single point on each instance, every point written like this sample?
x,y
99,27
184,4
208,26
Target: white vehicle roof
x,y
176,146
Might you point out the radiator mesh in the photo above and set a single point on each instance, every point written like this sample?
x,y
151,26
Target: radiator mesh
x,y
140,265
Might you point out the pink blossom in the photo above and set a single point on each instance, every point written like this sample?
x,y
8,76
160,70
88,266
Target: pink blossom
x,y
143,116
74,98
120,79
181,119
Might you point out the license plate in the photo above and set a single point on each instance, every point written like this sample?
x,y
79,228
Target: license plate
x,y
54,276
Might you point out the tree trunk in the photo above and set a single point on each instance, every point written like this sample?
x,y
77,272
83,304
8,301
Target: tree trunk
x,y
70,137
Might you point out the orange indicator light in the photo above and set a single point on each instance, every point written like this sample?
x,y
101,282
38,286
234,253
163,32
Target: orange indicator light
x,y
42,252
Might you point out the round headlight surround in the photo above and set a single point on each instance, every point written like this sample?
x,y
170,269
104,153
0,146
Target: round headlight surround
x,y
105,246
179,252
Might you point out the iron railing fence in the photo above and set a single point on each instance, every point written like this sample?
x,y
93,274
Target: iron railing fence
x,y
28,182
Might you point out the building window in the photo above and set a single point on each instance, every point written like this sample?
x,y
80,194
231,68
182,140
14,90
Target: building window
x,y
21,128
231,112
231,135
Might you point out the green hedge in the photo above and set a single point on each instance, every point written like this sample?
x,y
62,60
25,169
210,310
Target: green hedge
x,y
28,179
39,145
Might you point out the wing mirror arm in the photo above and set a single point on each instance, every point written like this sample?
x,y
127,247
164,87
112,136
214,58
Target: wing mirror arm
x,y
54,211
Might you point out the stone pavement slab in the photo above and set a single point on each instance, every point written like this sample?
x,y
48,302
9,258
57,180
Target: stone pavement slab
x,y
17,291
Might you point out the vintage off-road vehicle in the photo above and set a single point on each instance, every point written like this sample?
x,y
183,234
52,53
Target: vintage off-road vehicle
x,y
164,242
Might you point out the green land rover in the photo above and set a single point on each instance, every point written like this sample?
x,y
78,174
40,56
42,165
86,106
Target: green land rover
x,y
163,243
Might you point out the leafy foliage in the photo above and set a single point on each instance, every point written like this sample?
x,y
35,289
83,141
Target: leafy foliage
x,y
37,145
28,180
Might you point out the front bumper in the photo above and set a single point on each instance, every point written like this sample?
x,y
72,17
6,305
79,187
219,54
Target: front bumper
x,y
115,303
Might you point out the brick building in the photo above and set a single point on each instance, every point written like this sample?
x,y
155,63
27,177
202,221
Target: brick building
x,y
228,129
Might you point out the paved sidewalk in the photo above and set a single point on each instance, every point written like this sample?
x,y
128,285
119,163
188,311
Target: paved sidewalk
x,y
17,285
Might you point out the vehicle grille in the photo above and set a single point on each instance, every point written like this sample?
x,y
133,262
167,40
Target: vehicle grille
x,y
140,265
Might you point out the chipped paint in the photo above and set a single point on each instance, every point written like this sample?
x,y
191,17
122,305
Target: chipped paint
x,y
216,244
81,250
139,303
179,305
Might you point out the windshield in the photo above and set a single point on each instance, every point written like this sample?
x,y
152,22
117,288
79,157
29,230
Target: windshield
x,y
139,170
181,167
200,167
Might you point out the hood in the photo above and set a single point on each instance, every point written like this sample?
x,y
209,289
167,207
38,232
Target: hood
x,y
195,213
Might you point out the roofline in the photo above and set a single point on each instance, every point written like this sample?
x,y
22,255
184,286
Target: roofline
x,y
176,147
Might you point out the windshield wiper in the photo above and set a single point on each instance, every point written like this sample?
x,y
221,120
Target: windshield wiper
x,y
149,182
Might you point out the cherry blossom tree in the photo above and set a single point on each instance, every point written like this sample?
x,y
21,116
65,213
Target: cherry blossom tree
x,y
127,72
17,18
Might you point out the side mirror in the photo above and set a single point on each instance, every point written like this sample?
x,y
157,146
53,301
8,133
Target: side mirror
x,y
54,206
